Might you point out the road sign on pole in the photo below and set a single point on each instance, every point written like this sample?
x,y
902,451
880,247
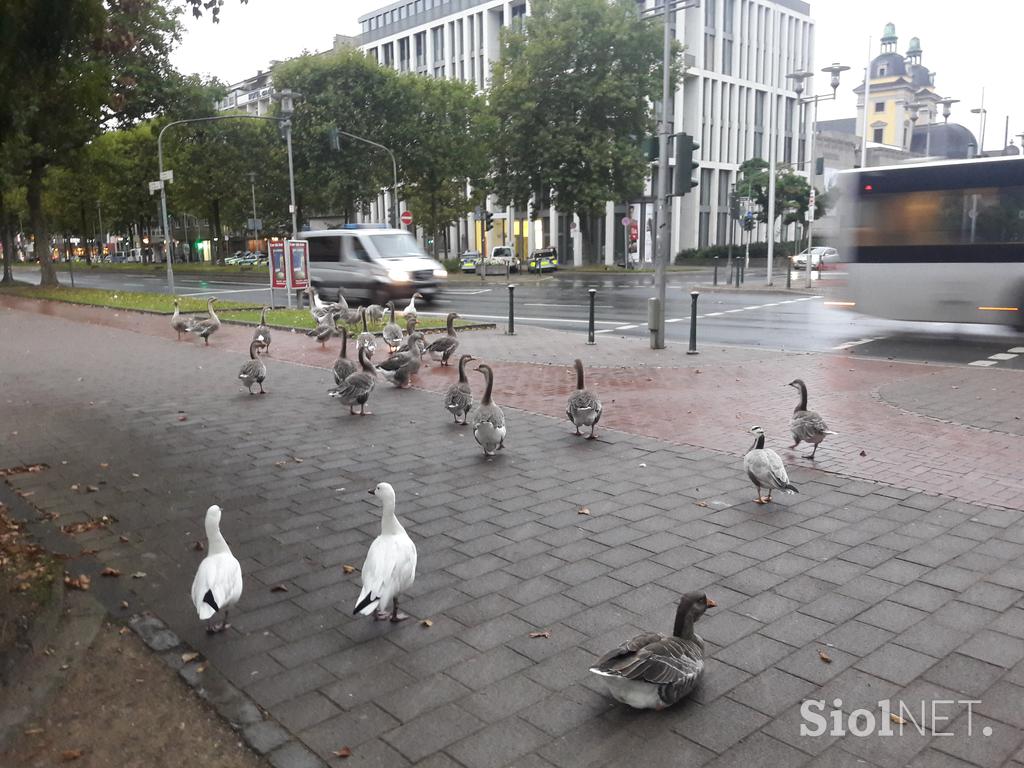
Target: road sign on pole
x,y
407,217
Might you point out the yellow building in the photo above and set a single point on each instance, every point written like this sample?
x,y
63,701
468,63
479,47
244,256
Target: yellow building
x,y
902,91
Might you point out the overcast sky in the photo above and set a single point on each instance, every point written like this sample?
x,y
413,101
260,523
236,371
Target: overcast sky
x,y
969,45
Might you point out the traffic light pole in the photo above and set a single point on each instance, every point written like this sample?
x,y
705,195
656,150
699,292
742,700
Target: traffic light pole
x,y
664,213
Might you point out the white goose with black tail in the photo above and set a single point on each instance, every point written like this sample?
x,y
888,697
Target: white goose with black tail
x,y
487,418
765,468
807,426
218,582
583,408
653,671
390,566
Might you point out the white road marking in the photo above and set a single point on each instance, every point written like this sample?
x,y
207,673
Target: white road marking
x,y
756,307
467,316
858,342
983,363
464,292
713,314
576,306
676,320
625,327
1017,350
728,311
217,293
1002,356
604,330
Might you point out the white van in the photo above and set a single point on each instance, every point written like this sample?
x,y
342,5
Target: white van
x,y
371,263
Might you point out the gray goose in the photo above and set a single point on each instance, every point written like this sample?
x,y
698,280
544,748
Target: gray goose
x,y
356,389
254,371
178,323
410,329
652,671
326,327
487,418
375,312
402,366
583,408
343,367
392,334
458,400
807,426
366,339
205,326
765,469
262,332
443,348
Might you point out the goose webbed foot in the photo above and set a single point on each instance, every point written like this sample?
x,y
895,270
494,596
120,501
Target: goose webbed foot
x,y
381,615
262,390
811,454
577,432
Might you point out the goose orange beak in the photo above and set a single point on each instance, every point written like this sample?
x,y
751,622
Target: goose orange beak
x,y
712,603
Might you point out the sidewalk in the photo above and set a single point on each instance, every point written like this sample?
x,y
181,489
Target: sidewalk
x,y
912,596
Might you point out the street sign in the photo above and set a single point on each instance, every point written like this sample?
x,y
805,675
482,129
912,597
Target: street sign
x,y
626,221
407,217
298,260
254,224
278,278
167,176
155,186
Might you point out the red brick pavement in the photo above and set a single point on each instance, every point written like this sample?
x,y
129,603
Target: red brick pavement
x,y
708,401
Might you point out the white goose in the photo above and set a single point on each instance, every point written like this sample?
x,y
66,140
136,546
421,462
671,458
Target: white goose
x,y
410,308
178,323
218,582
390,565
765,469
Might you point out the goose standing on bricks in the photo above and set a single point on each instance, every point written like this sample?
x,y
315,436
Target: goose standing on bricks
x,y
390,565
402,366
254,371
366,340
443,348
178,323
583,409
343,367
218,582
807,426
765,469
392,333
487,418
459,397
205,326
653,671
262,332
410,308
356,389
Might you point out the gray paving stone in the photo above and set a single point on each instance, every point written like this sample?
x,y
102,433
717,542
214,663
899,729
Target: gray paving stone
x,y
720,725
964,674
265,736
987,751
479,671
432,731
760,749
995,648
294,755
754,653
304,711
498,744
771,692
796,629
892,616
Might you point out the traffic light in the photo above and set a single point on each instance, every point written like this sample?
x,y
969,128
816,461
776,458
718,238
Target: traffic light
x,y
748,221
819,166
682,175
651,149
488,221
334,138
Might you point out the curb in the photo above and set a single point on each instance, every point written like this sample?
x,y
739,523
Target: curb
x,y
264,735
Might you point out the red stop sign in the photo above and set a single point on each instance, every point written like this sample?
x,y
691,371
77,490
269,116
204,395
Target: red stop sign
x,y
407,217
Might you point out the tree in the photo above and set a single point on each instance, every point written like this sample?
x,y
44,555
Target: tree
x,y
571,97
792,192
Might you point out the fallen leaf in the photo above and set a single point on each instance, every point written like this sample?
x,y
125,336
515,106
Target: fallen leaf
x,y
297,460
863,453
34,731
123,631
112,572
583,511
124,604
544,634
343,752
897,719
124,539
190,656
183,417
349,569
139,575
70,754
201,667
427,622
81,582
88,552
135,474
279,588
74,487
104,465
198,546
824,657
280,463
92,488
701,503
642,464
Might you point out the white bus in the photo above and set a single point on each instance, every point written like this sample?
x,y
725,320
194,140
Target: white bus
x,y
938,241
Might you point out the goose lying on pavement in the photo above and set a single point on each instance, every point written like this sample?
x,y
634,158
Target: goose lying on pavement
x,y
218,582
765,469
458,400
390,565
807,426
583,408
653,671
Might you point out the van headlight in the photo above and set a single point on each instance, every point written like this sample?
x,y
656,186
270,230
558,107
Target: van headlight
x,y
440,272
398,276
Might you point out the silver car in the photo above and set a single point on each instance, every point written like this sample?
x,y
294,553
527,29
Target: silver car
x,y
371,263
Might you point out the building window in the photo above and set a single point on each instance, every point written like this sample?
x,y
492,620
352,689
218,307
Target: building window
x,y
709,51
758,149
879,106
727,56
879,134
421,49
881,71
438,37
389,56
403,54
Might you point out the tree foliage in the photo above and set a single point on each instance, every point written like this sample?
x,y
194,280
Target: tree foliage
x,y
792,192
572,96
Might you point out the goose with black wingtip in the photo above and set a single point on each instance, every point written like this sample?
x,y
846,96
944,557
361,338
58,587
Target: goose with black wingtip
x,y
218,581
390,566
443,348
205,327
765,469
178,323
392,333
261,333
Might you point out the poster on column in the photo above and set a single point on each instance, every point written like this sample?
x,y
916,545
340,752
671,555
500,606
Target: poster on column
x,y
298,261
278,279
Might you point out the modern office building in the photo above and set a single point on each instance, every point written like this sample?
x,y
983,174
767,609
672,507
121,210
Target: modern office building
x,y
738,54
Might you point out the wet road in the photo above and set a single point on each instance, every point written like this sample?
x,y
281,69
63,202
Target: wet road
x,y
754,318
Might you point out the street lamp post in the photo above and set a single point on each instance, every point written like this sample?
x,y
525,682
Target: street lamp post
x,y
99,214
393,213
834,70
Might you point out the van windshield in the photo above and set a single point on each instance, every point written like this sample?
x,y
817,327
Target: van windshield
x,y
400,245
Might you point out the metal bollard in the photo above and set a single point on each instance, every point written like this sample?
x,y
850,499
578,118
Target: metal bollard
x,y
511,311
693,323
743,273
789,273
590,330
716,271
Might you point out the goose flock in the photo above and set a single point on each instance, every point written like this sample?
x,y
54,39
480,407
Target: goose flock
x,y
648,671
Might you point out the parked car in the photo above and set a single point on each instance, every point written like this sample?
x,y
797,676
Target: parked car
x,y
371,263
503,256
541,259
819,255
468,260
